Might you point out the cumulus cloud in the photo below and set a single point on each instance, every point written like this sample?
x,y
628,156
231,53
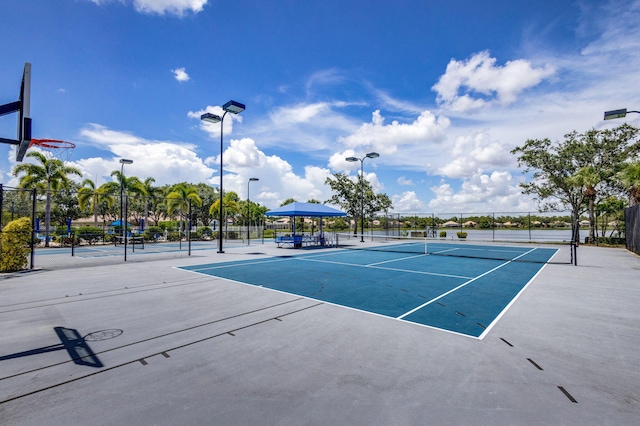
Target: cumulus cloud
x,y
213,129
386,138
180,74
278,181
475,151
470,84
407,202
494,192
167,162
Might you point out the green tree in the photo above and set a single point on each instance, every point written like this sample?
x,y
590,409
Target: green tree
x,y
629,177
348,195
47,176
230,207
557,182
91,196
179,199
589,178
287,201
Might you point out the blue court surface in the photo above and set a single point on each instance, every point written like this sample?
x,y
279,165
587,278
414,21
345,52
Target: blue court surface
x,y
463,295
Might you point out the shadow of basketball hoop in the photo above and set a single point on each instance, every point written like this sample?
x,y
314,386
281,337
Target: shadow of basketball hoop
x,y
75,345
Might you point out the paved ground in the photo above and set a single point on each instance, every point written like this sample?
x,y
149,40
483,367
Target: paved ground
x,y
172,347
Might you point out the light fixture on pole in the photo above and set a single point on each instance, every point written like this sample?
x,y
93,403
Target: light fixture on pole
x,y
234,108
123,161
617,113
249,211
361,160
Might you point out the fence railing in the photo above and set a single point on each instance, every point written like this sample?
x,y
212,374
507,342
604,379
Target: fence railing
x,y
632,227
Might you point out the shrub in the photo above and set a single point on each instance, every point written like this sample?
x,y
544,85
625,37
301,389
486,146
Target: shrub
x,y
462,235
205,231
15,248
173,236
90,234
443,234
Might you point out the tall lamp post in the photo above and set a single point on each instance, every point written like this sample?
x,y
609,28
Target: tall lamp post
x,y
361,160
123,161
234,108
249,211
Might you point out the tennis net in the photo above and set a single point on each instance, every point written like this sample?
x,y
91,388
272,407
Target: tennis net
x,y
516,251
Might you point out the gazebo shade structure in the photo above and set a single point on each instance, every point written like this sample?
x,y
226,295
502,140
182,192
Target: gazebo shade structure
x,y
306,210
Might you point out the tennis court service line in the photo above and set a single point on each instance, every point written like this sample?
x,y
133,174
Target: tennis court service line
x,y
462,285
408,271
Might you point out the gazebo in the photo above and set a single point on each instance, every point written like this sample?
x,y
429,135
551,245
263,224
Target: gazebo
x,y
297,209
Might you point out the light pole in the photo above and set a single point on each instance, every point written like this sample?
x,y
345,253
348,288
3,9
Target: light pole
x,y
123,161
361,160
234,108
617,113
249,211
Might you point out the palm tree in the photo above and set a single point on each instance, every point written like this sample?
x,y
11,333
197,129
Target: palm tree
x,y
630,178
90,195
128,184
181,197
589,177
150,191
230,207
49,175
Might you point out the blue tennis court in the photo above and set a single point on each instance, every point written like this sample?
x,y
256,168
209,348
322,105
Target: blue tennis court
x,y
464,295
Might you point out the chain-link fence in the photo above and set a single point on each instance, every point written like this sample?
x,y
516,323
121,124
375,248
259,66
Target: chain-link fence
x,y
632,228
91,227
522,226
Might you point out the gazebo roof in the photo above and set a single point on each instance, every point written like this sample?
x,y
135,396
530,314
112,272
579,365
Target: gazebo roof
x,y
305,210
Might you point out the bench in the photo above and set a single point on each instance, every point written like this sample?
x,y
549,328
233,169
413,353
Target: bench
x,y
299,241
119,239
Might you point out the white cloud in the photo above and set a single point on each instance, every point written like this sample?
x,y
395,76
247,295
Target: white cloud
x,y
167,162
213,129
475,151
385,139
404,181
160,7
483,82
494,192
278,181
180,74
407,202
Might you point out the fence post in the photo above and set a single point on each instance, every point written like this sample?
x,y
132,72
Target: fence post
x,y
33,225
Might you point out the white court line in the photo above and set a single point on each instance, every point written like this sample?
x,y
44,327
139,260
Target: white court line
x,y
462,285
408,271
395,260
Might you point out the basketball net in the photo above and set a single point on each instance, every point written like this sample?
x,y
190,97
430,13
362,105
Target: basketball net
x,y
53,148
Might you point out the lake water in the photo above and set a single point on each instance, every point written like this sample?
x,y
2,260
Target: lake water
x,y
541,235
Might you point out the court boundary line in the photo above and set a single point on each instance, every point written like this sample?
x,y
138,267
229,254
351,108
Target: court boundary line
x,y
506,308
409,271
463,285
324,302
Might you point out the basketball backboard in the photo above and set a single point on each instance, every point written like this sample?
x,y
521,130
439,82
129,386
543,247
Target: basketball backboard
x,y
23,107
24,115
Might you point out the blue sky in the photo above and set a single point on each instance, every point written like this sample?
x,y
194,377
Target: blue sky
x,y
442,90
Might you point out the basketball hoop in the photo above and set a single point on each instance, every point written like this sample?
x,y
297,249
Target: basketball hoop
x,y
53,148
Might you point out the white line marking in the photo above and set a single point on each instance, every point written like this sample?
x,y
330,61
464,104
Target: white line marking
x,y
408,271
461,285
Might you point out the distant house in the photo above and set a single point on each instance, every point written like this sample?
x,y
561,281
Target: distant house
x,y
450,224
512,224
470,224
584,223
